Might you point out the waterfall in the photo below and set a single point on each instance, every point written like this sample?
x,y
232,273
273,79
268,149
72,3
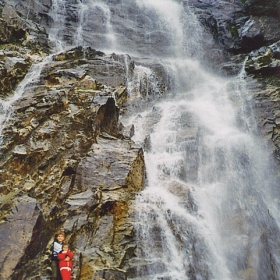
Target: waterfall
x,y
56,31
209,209
57,13
88,10
6,105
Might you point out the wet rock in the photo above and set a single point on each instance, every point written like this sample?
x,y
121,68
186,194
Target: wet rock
x,y
16,230
259,31
265,61
67,163
22,30
240,26
113,184
223,19
107,149
121,95
13,27
128,131
64,147
13,68
259,8
110,274
251,33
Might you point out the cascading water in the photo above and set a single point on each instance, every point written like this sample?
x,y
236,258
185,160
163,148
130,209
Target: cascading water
x,y
87,11
31,77
209,208
59,41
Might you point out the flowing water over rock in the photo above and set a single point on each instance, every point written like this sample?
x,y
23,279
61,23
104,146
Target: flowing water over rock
x,y
209,209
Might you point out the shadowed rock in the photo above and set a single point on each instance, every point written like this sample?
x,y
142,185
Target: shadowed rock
x,y
66,151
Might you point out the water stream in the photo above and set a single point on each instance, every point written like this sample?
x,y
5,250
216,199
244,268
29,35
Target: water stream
x,y
30,79
209,209
206,210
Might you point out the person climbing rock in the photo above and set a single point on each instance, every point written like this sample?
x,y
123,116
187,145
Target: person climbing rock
x,y
65,262
57,247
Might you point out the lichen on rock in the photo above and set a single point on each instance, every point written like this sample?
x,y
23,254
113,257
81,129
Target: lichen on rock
x,y
66,153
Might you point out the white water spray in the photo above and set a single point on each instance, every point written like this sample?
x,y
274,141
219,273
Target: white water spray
x,y
204,212
56,32
57,12
31,77
177,24
88,10
209,209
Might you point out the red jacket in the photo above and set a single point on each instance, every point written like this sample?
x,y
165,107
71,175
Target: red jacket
x,y
61,259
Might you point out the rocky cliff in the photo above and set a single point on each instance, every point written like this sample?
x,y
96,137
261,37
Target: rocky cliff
x,y
249,30
67,161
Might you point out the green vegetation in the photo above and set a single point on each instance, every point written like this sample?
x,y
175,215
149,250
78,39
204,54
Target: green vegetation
x,y
264,60
234,31
273,80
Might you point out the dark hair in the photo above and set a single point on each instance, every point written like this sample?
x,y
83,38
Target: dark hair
x,y
60,233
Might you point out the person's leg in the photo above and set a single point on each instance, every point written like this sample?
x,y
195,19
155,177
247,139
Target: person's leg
x,y
55,271
65,274
59,277
69,274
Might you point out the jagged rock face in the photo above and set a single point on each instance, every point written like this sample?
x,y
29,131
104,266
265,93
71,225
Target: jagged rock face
x,y
266,107
13,68
67,165
240,26
264,61
21,217
118,25
13,29
236,25
264,65
20,29
261,8
66,160
259,31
